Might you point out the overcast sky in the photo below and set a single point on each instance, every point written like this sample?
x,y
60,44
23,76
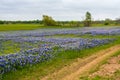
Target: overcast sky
x,y
58,9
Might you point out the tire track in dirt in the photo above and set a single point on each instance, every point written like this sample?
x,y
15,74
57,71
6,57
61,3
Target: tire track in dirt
x,y
81,66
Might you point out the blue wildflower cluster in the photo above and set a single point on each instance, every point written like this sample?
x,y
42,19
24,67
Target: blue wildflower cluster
x,y
12,61
50,32
36,48
86,43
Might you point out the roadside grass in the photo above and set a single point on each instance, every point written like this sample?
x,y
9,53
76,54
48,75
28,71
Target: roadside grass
x,y
116,75
37,71
116,54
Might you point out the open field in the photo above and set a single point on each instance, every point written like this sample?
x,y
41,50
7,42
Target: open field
x,y
59,40
17,27
14,27
34,54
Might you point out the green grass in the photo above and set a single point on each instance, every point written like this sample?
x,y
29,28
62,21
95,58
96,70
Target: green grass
x,y
116,54
64,58
102,25
14,27
11,47
82,36
7,47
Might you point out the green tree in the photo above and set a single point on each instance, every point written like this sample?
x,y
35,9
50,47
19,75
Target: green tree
x,y
48,21
2,22
87,21
117,21
74,23
107,21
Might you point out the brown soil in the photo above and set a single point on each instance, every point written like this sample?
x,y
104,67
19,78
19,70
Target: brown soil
x,y
83,66
108,69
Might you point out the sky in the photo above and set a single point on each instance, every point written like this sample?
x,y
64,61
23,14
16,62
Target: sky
x,y
59,9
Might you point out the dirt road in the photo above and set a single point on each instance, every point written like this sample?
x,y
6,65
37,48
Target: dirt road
x,y
82,66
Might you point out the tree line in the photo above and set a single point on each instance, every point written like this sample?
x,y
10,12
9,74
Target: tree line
x,y
49,21
21,22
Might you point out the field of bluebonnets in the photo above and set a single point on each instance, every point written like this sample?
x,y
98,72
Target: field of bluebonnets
x,y
21,48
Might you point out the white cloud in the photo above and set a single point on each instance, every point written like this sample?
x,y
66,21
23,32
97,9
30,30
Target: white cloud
x,y
59,9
